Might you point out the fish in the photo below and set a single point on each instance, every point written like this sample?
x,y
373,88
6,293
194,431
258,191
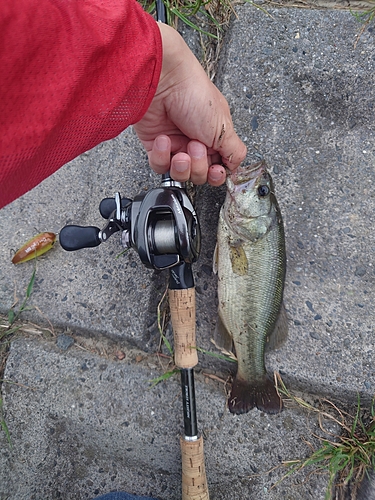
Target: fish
x,y
250,261
34,247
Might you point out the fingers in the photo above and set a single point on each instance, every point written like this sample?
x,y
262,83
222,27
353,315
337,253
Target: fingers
x,y
199,162
196,164
160,155
216,175
180,167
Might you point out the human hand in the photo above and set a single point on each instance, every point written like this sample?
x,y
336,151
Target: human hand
x,y
188,128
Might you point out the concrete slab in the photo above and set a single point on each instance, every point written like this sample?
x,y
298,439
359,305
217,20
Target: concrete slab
x,y
303,98
83,425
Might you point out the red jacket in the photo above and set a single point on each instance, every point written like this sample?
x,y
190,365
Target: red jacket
x,y
73,73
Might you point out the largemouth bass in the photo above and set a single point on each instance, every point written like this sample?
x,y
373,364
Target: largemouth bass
x,y
250,262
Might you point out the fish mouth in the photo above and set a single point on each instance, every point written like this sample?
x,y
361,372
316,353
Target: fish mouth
x,y
245,178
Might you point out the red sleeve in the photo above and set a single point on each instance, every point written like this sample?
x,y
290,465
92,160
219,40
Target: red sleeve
x,y
73,73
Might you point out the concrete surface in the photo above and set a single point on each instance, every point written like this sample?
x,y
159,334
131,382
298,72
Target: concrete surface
x,y
304,99
83,423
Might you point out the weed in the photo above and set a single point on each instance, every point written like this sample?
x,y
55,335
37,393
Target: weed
x,y
165,376
226,356
365,19
12,315
6,332
185,10
345,457
163,317
3,423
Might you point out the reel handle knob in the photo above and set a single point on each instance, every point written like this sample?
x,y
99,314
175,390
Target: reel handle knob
x,y
108,205
77,237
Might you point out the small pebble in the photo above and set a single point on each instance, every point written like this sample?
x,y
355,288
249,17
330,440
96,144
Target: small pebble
x,y
360,271
64,342
254,123
206,269
309,305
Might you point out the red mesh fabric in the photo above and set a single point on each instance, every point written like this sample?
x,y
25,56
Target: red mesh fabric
x,y
73,73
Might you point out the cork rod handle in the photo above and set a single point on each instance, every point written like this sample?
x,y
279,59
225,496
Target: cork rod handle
x,y
182,309
194,482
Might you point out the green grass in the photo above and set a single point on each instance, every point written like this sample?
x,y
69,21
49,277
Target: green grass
x,y
345,457
206,17
3,423
365,18
6,333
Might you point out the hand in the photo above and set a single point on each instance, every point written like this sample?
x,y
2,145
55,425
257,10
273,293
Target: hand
x,y
188,127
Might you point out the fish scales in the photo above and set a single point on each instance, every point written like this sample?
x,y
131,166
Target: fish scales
x,y
250,262
258,293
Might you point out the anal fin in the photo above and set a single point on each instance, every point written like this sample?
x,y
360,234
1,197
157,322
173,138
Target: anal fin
x,y
280,333
222,338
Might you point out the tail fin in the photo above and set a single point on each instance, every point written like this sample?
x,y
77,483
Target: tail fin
x,y
262,394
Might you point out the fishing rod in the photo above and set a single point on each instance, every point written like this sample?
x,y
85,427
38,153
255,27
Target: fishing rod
x,y
183,316
161,225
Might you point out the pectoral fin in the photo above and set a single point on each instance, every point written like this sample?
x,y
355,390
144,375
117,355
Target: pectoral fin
x,y
280,332
216,259
238,260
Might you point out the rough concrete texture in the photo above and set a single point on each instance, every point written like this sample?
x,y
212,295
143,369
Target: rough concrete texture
x,y
302,97
83,425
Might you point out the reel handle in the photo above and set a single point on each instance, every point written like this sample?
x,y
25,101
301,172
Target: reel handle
x,y
77,237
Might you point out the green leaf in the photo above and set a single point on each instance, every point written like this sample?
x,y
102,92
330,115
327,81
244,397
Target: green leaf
x,y
31,284
3,424
167,344
216,355
11,316
165,376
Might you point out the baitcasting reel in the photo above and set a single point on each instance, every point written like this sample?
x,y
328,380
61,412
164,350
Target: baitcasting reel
x,y
161,225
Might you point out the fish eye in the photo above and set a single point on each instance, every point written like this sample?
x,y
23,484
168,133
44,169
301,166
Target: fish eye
x,y
263,191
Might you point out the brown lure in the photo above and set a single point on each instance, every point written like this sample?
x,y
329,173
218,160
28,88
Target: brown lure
x,y
36,246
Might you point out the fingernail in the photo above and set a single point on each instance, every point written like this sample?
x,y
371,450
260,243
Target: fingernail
x,y
181,165
162,143
217,174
